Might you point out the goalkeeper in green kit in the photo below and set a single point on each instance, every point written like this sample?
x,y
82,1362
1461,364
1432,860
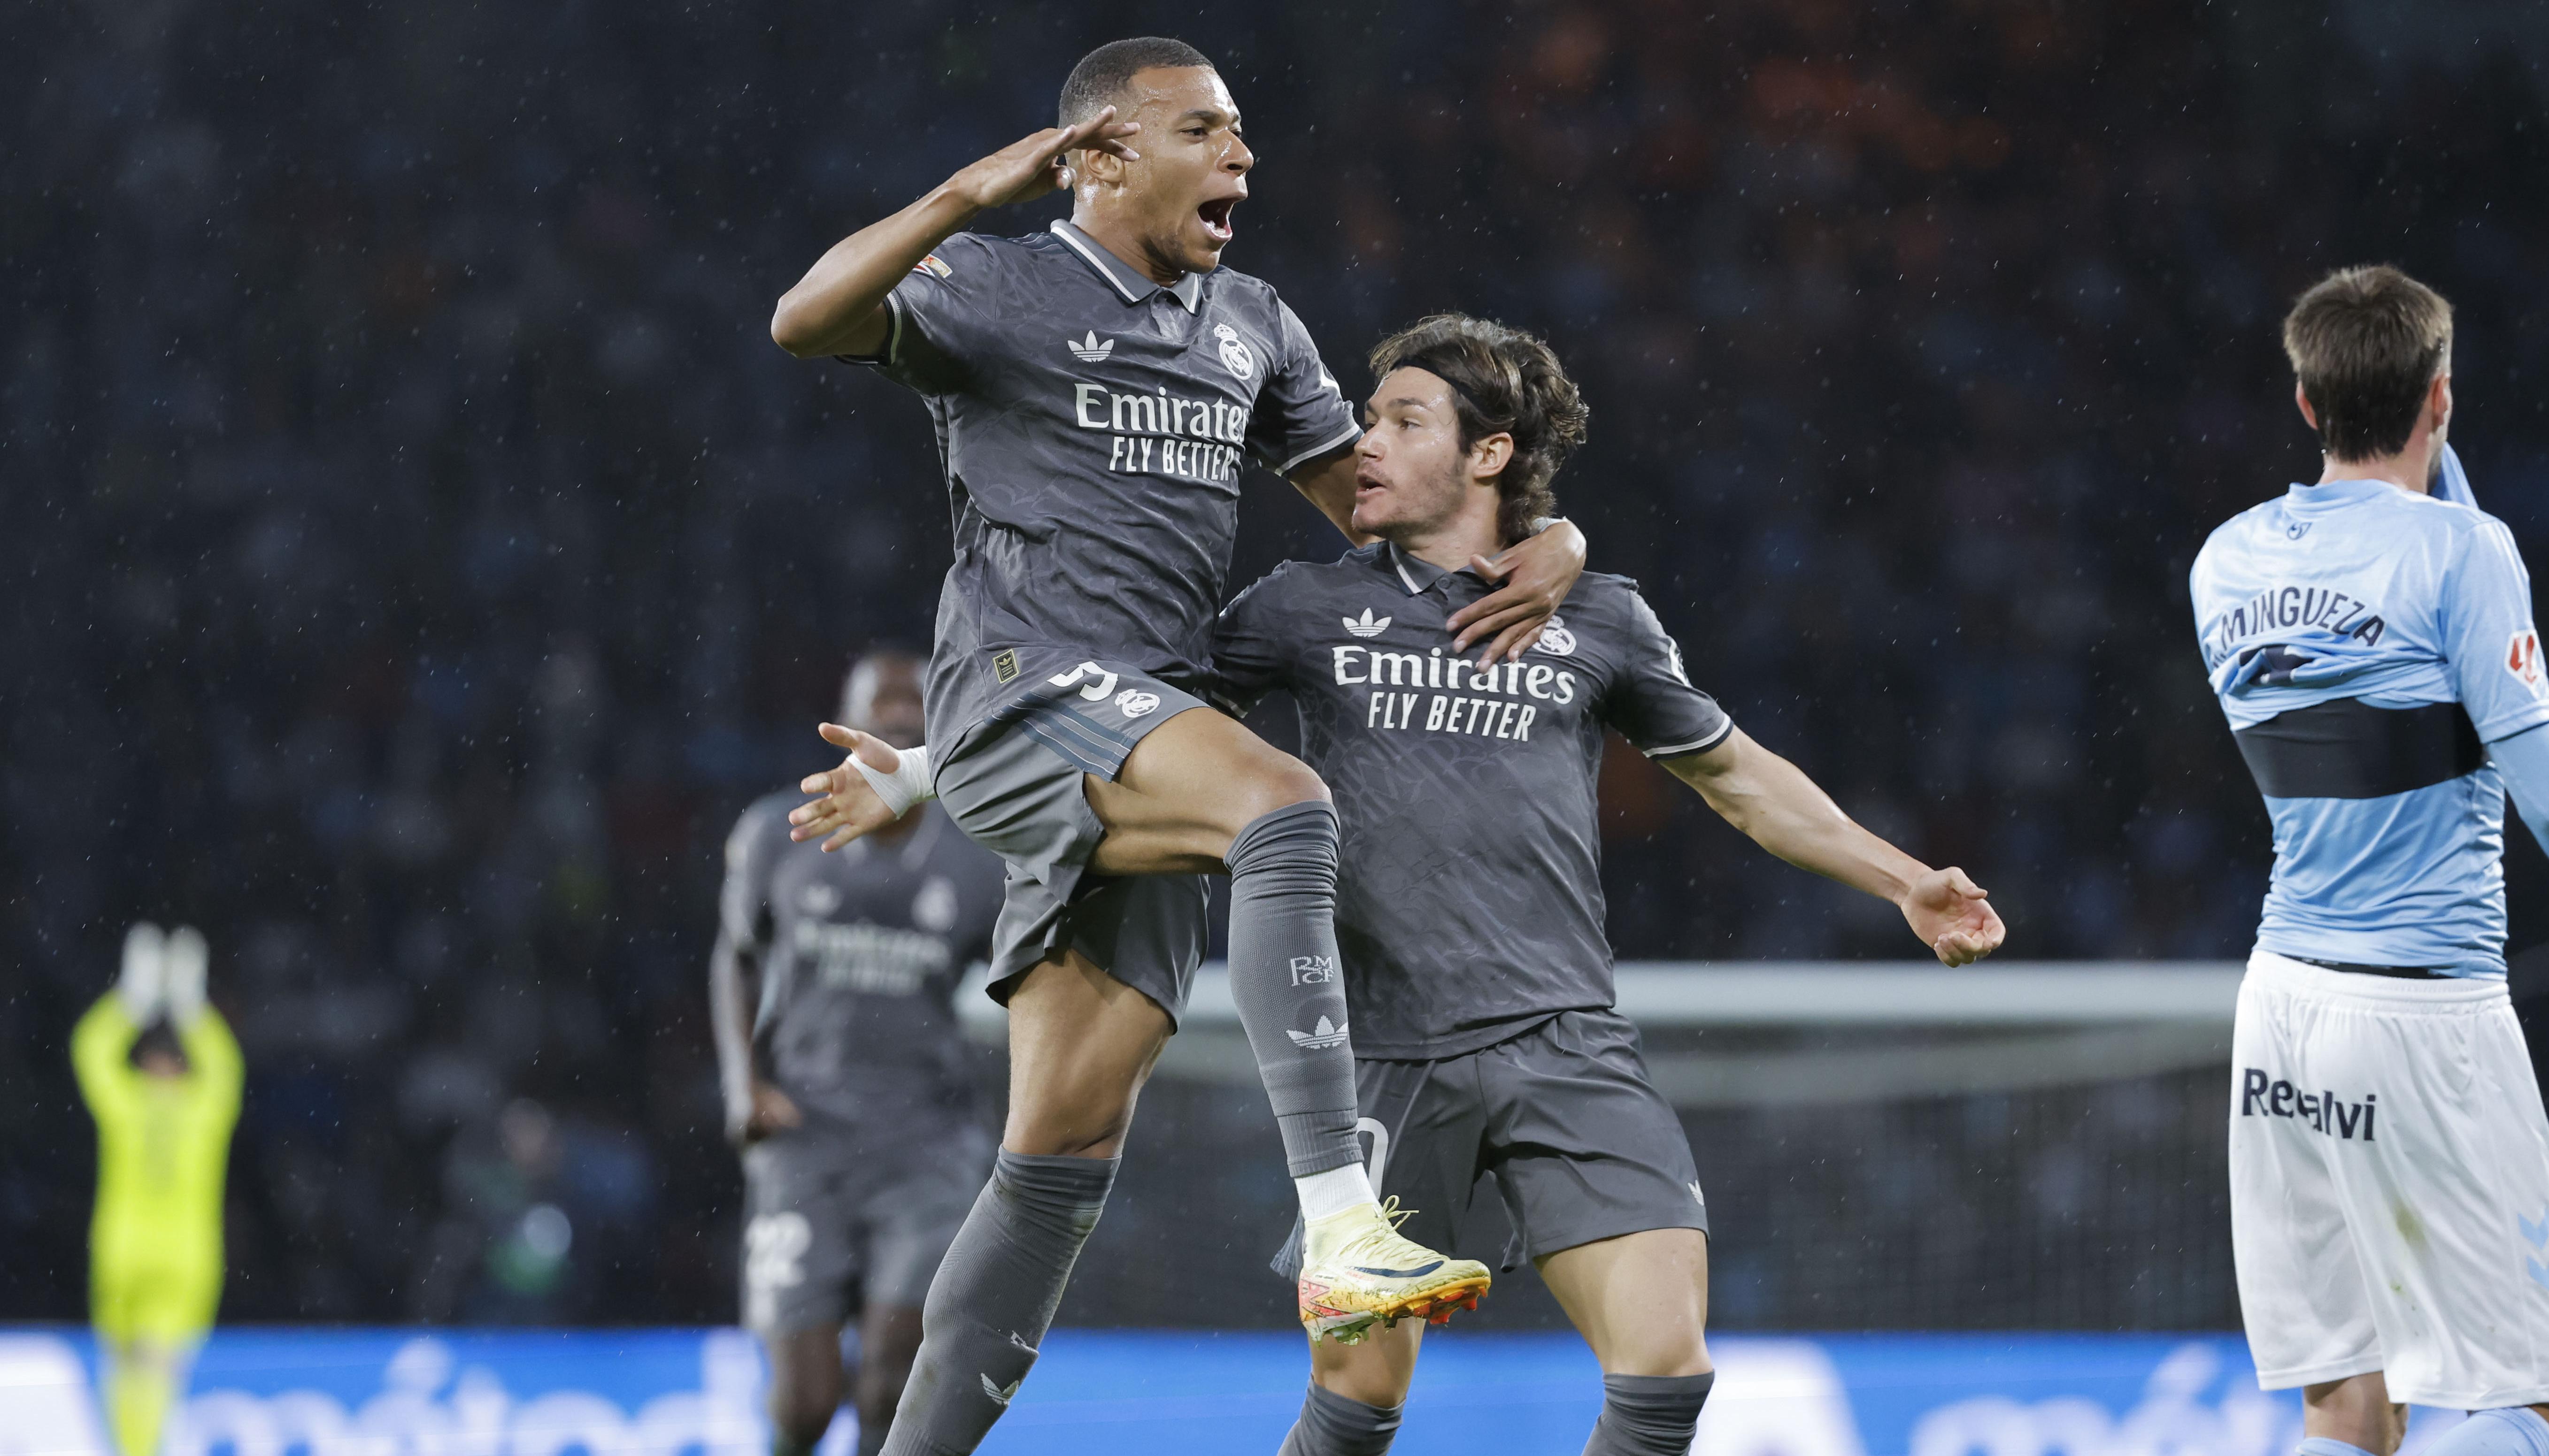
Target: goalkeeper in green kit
x,y
161,1075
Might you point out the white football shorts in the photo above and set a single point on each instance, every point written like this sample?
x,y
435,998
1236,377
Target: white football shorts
x,y
2388,1185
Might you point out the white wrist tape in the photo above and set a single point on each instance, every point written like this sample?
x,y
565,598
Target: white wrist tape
x,y
907,785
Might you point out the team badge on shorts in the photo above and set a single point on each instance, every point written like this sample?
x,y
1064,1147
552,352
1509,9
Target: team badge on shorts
x,y
1234,352
1006,666
1135,703
2522,659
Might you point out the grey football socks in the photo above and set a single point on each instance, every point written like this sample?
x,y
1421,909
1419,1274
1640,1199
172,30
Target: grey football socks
x,y
1332,1425
994,1297
1648,1415
1284,974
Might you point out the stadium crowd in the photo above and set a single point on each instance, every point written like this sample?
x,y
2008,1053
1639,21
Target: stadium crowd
x,y
422,552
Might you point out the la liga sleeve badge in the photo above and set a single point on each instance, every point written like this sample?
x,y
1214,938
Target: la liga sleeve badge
x,y
2522,659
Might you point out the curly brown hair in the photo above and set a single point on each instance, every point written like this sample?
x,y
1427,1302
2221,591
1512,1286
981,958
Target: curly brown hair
x,y
1503,382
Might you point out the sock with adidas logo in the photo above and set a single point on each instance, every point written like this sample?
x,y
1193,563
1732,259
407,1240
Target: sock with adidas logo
x,y
1284,974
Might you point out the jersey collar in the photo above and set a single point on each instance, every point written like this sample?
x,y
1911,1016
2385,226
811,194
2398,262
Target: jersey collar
x,y
1135,287
2337,492
1414,573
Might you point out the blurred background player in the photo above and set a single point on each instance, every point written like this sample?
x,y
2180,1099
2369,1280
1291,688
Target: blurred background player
x,y
161,1074
2373,647
1469,909
1098,389
847,1081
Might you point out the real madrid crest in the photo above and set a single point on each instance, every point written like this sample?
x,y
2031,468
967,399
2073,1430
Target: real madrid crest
x,y
1235,354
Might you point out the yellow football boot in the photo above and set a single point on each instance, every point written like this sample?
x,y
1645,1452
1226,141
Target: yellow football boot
x,y
1355,1271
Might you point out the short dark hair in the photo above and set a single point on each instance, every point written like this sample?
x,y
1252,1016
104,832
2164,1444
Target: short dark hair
x,y
1103,74
2366,344
1503,381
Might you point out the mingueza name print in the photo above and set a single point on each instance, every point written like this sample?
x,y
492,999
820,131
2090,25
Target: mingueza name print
x,y
1162,434
2282,608
1506,715
2273,1097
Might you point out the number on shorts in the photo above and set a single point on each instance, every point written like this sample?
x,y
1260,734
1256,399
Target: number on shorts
x,y
774,1250
1098,691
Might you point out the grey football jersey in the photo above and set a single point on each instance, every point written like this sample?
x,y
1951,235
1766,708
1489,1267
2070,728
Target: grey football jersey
x,y
1469,894
1093,426
860,952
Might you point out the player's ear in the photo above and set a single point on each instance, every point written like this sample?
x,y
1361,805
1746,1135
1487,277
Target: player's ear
x,y
1090,164
2300,396
1490,455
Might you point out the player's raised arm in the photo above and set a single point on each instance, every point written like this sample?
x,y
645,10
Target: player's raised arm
x,y
838,307
1783,811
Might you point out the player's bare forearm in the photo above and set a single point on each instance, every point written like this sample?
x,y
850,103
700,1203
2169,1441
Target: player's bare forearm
x,y
1778,807
1537,572
1328,483
838,307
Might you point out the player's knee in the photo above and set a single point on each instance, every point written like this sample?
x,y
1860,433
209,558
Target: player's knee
x,y
1279,783
1669,1350
1098,1134
1371,1382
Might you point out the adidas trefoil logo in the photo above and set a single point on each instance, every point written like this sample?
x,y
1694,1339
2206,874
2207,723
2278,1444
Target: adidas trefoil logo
x,y
1365,625
1091,349
1327,1033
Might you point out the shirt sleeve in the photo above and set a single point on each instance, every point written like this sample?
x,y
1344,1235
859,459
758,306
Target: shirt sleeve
x,y
1301,415
743,905
2487,635
943,315
1247,649
1651,699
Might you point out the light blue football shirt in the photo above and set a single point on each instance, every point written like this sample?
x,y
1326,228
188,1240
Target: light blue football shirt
x,y
2360,590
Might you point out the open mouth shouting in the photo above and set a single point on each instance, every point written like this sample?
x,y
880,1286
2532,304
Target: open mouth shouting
x,y
1216,218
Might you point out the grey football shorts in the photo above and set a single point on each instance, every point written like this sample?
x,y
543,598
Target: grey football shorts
x,y
1014,787
1562,1120
827,1237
